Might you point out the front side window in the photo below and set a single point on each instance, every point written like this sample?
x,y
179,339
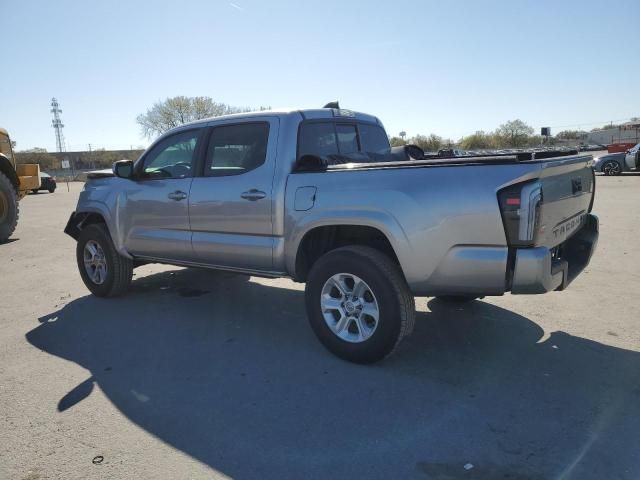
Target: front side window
x,y
236,149
173,157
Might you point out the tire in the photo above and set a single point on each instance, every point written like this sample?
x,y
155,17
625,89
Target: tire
x,y
9,208
387,291
611,167
116,277
51,190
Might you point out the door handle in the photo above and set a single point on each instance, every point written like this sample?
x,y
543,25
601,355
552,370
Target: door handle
x,y
253,195
177,195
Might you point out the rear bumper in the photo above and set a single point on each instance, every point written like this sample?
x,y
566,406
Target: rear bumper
x,y
537,270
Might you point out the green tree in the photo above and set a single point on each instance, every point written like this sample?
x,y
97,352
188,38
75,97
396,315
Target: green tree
x,y
514,133
478,140
430,143
165,115
396,141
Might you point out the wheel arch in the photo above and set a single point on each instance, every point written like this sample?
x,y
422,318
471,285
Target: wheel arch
x,y
92,214
6,167
320,239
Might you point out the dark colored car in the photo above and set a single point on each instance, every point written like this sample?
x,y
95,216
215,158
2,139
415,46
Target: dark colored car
x,y
47,182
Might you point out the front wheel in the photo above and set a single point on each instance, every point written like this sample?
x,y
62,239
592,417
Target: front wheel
x,y
104,271
9,210
359,304
611,167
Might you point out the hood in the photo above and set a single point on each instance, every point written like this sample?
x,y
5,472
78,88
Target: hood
x,y
107,172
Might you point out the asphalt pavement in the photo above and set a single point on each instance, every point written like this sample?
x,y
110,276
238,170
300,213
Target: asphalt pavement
x,y
202,374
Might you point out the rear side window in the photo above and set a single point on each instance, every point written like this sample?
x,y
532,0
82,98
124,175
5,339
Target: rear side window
x,y
236,149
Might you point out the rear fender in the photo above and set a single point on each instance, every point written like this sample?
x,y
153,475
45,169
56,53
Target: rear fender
x,y
382,221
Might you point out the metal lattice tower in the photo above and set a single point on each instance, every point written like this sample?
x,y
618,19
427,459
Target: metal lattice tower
x,y
57,124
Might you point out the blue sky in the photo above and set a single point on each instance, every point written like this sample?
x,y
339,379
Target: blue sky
x,y
447,67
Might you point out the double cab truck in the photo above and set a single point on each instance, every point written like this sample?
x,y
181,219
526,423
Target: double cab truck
x,y
317,196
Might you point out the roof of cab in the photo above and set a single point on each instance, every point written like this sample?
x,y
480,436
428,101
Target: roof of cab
x,y
318,113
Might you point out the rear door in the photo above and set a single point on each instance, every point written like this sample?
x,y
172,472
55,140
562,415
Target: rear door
x,y
231,204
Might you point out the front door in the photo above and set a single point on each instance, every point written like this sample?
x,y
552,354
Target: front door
x,y
230,205
157,202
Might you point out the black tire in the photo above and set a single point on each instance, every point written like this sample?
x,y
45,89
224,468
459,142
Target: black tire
x,y
456,298
119,268
395,302
51,190
9,208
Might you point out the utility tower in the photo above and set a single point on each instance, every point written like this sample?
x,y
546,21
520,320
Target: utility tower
x,y
57,124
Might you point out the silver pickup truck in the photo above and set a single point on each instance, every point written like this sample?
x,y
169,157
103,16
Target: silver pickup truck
x,y
320,197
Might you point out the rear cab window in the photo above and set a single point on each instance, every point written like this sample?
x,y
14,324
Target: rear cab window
x,y
340,142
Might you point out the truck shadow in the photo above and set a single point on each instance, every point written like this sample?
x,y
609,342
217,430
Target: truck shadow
x,y
228,371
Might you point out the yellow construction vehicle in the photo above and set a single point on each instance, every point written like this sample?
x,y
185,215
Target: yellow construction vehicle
x,y
15,182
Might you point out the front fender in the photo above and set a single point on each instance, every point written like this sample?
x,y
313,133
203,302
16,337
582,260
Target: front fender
x,y
110,219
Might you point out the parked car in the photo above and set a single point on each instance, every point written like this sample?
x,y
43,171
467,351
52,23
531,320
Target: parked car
x,y
632,158
451,152
616,163
316,196
47,182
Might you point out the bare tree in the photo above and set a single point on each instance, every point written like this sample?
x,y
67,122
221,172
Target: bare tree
x,y
163,116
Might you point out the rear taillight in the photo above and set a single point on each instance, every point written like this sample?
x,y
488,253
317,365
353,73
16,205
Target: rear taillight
x,y
520,209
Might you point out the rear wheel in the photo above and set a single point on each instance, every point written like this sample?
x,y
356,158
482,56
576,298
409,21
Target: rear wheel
x,y
104,271
611,167
52,189
9,209
359,304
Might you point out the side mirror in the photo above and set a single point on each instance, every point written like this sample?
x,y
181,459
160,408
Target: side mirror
x,y
310,163
123,168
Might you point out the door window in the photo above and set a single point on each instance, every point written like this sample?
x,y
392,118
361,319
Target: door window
x,y
236,149
173,157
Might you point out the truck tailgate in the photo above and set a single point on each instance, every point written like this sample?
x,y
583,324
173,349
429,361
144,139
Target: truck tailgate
x,y
568,186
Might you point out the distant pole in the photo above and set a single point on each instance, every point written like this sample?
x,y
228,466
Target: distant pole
x,y
57,124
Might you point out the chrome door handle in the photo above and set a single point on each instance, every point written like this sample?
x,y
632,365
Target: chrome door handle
x,y
253,195
177,195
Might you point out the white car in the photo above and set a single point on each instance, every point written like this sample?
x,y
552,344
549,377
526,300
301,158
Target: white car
x,y
632,158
